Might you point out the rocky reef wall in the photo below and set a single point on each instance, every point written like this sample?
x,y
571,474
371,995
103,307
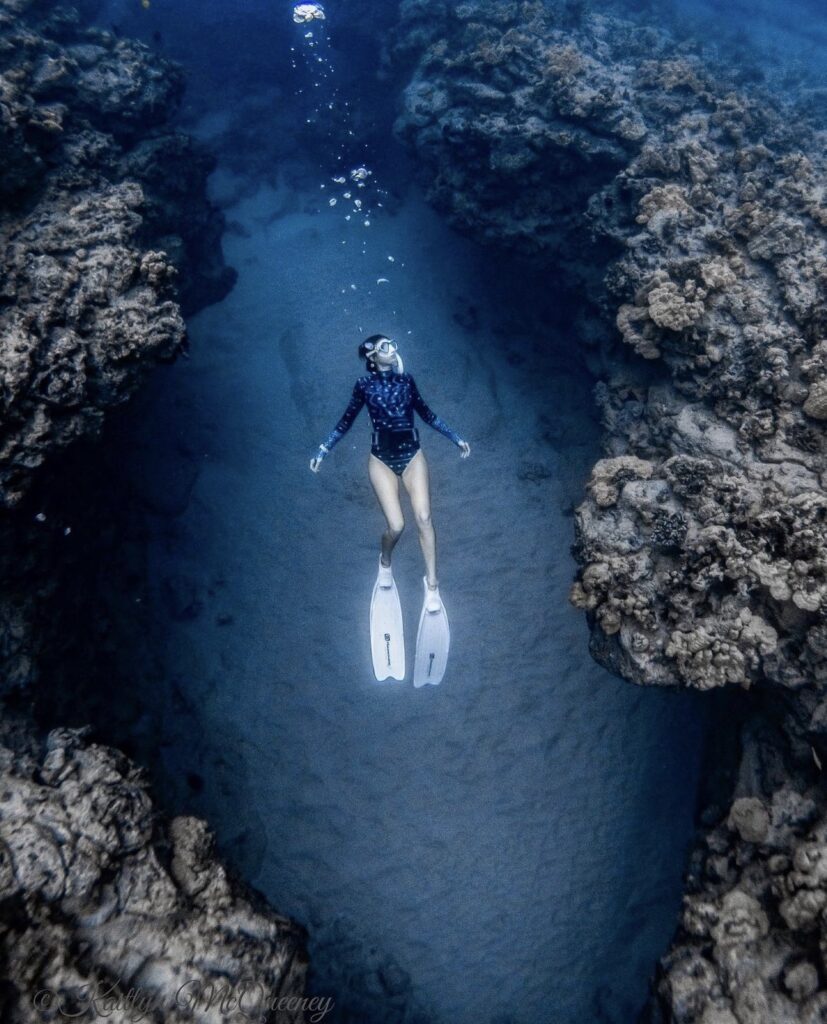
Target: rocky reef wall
x,y
108,910
695,213
682,202
107,239
102,212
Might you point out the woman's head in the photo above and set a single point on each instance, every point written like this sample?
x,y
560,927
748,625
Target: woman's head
x,y
380,352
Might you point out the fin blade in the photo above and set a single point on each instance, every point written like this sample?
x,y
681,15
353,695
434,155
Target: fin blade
x,y
433,643
387,639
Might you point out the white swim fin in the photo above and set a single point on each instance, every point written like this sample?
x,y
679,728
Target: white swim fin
x,y
387,641
433,639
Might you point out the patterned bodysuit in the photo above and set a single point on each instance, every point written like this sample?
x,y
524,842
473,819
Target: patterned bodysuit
x,y
391,399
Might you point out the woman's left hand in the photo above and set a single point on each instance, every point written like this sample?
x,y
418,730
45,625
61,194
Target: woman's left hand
x,y
464,449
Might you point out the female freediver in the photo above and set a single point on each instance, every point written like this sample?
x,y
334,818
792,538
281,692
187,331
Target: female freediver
x,y
391,397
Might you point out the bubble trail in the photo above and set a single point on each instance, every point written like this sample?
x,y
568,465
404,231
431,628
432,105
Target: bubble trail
x,y
333,118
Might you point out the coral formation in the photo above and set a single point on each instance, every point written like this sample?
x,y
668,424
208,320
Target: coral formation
x,y
105,232
692,215
686,212
103,207
749,944
106,910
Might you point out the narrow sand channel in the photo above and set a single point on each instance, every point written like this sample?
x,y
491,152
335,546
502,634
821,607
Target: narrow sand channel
x,y
514,839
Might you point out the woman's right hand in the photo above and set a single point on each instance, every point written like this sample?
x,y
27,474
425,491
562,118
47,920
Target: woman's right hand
x,y
316,461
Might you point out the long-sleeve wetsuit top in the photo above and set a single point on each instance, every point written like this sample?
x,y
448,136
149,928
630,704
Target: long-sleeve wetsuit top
x,y
391,399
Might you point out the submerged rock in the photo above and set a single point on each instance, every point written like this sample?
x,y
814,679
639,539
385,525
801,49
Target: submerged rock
x,y
105,231
105,909
688,213
685,210
104,215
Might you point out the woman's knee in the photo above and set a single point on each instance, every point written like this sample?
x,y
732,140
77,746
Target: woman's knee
x,y
423,519
395,528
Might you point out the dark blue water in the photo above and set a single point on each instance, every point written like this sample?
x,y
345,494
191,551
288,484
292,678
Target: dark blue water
x,y
514,840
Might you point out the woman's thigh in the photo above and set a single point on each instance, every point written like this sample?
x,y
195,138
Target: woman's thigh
x,y
416,479
386,486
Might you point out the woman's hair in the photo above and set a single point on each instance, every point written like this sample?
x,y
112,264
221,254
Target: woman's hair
x,y
366,347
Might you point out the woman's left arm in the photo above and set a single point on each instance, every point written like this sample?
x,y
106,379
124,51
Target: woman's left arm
x,y
431,417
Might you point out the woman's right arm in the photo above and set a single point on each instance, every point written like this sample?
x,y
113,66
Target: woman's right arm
x,y
357,400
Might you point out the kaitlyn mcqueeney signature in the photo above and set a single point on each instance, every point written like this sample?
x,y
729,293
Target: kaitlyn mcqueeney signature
x,y
249,1000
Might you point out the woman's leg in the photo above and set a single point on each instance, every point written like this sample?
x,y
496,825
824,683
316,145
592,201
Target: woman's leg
x,y
386,485
417,483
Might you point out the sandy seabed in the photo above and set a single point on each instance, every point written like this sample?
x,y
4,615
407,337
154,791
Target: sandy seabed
x,y
514,839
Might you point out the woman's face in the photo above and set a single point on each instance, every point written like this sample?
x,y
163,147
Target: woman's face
x,y
385,353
